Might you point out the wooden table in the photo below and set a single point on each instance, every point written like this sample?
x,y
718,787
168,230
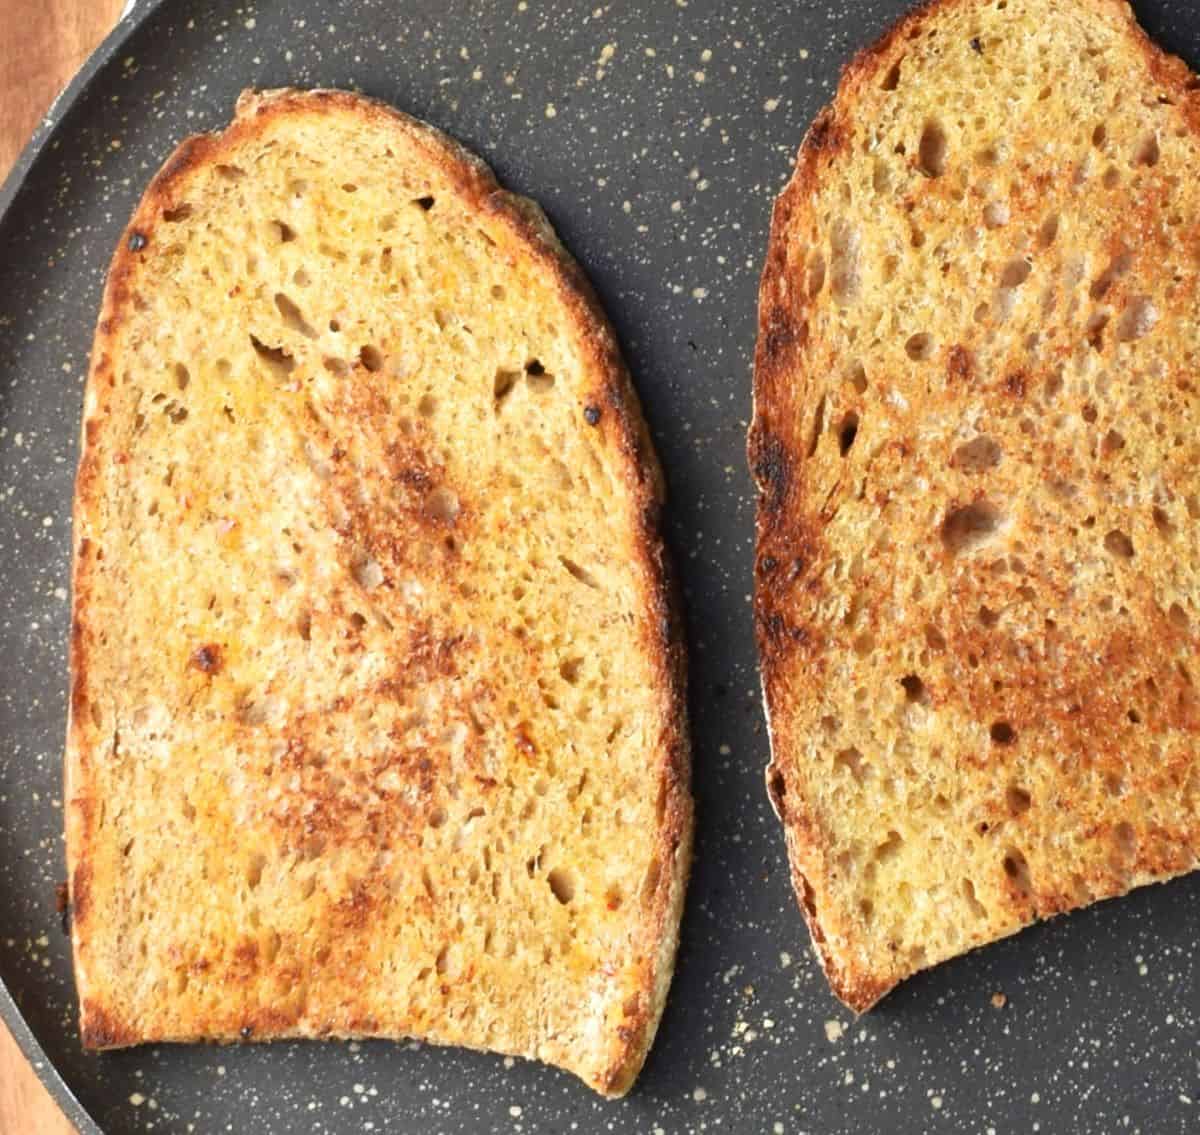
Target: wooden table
x,y
42,44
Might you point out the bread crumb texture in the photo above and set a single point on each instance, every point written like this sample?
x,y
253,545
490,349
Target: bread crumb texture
x,y
377,720
976,439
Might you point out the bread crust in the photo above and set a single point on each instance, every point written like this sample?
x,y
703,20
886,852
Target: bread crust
x,y
790,525
612,408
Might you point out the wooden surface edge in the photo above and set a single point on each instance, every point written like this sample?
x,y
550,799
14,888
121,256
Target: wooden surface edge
x,y
43,44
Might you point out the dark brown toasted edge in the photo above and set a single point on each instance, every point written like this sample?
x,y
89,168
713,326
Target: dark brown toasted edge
x,y
612,406
778,477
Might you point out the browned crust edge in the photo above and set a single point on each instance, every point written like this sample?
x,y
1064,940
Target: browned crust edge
x,y
776,473
620,416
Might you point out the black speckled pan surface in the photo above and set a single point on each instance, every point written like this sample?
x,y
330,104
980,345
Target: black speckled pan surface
x,y
655,136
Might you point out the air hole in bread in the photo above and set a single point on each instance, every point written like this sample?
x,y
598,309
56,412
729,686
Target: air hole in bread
x,y
1111,178
277,359
1162,521
562,884
502,385
851,761
1137,320
818,425
371,358
349,187
336,366
914,689
970,526
304,625
254,869
1048,233
427,407
1118,543
1112,442
1015,273
1002,733
847,432
442,504
1124,840
815,276
1179,617
292,316
283,232
182,376
178,213
978,455
580,573
230,172
1100,136
424,203
1147,152
989,155
890,847
1019,801
815,272
845,243
856,375
1094,329
301,278
437,817
366,571
973,904
934,638
932,150
1016,868
570,669
892,79
919,347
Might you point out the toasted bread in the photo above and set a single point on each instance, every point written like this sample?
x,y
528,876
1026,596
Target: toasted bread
x,y
377,708
976,439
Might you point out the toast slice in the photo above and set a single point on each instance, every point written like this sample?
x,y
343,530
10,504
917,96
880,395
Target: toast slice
x,y
377,710
976,439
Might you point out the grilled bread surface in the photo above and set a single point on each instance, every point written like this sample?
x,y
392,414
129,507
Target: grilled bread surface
x,y
977,441
377,719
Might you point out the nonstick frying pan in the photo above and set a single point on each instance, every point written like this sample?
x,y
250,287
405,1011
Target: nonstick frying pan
x,y
657,161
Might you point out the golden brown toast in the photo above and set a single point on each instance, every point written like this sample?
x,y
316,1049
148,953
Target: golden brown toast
x,y
377,712
977,441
